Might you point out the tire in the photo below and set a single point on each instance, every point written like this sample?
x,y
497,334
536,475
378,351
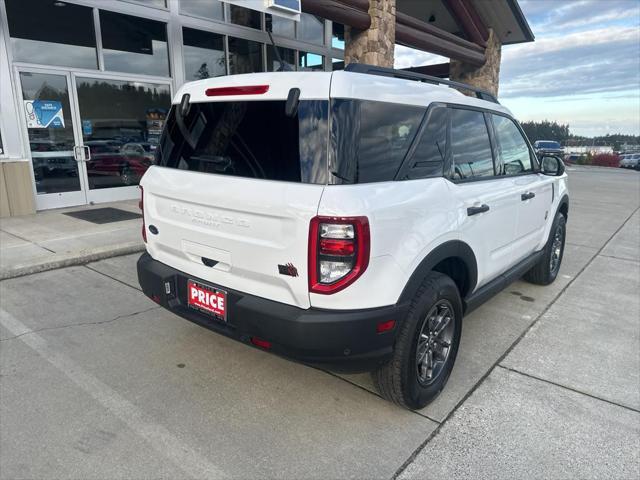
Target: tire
x,y
404,380
546,270
126,176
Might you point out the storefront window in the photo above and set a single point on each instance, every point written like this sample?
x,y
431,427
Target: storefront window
x,y
337,36
203,54
310,62
121,124
211,9
245,17
287,55
69,40
281,26
133,44
311,29
245,56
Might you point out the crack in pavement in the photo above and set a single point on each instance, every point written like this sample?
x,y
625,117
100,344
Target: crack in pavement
x,y
571,389
109,276
433,434
81,324
33,242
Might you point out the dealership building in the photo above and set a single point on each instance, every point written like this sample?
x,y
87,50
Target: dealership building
x,y
85,85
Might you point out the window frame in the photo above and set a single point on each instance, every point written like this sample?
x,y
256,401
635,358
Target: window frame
x,y
101,51
332,164
492,139
535,164
225,49
449,173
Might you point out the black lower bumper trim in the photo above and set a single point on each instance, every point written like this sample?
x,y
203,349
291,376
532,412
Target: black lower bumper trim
x,y
336,339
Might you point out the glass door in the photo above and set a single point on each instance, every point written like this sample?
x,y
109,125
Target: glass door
x,y
57,158
120,122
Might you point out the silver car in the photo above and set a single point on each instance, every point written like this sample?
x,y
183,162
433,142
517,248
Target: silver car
x,y
631,160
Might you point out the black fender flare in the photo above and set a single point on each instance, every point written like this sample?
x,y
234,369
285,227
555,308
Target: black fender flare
x,y
564,201
452,248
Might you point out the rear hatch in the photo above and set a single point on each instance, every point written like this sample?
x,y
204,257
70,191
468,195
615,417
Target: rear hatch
x,y
237,182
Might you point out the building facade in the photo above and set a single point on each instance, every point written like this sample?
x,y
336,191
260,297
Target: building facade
x,y
85,85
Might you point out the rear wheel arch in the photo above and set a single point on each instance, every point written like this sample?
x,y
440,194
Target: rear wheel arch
x,y
454,259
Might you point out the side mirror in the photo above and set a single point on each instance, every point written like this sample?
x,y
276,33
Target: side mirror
x,y
551,165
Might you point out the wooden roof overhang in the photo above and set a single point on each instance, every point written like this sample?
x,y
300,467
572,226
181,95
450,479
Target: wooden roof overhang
x,y
464,38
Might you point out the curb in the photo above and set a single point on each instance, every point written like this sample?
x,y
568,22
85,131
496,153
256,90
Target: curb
x,y
71,259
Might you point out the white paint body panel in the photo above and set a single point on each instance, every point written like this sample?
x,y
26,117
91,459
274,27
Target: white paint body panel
x,y
250,226
312,85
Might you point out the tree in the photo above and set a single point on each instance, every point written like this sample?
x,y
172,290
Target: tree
x,y
546,130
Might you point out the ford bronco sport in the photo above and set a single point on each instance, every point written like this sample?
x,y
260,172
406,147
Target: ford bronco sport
x,y
346,219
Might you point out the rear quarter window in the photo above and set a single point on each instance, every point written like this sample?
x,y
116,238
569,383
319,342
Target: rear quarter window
x,y
369,139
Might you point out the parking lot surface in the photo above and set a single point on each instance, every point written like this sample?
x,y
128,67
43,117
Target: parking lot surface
x,y
97,381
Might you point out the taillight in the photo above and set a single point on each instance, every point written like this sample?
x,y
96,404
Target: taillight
x,y
141,206
338,252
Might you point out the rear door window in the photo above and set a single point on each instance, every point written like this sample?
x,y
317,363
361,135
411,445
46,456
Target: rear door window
x,y
369,140
470,145
249,139
513,150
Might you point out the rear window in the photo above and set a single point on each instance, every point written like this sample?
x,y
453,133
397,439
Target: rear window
x,y
249,139
369,140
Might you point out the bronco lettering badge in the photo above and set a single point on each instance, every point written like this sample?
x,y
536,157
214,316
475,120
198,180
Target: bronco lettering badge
x,y
288,269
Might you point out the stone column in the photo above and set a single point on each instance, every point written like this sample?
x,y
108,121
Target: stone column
x,y
373,46
486,76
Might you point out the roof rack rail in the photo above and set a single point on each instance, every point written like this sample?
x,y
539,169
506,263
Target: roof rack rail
x,y
418,77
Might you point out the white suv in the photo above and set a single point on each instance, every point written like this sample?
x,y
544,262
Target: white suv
x,y
346,219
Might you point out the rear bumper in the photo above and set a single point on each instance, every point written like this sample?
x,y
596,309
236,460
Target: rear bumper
x,y
336,339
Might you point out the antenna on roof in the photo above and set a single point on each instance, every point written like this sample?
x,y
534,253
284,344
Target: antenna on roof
x,y
283,66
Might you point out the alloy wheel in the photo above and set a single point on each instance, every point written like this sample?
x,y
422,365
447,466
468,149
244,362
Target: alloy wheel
x,y
556,249
434,342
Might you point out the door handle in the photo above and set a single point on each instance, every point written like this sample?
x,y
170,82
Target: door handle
x,y
527,196
87,157
476,210
77,153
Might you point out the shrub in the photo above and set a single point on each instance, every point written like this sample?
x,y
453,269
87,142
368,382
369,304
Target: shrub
x,y
606,160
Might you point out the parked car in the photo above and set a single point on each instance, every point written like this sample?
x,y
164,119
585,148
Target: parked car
x,y
573,158
110,166
630,160
337,219
549,147
139,149
47,164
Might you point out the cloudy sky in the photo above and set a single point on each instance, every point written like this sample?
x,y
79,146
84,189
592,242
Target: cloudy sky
x,y
583,69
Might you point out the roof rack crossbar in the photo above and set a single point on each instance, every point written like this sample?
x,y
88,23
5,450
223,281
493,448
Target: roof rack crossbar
x,y
391,72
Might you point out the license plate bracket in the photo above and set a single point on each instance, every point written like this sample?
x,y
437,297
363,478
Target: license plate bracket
x,y
207,299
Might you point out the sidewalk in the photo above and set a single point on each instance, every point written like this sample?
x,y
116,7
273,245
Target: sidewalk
x,y
53,239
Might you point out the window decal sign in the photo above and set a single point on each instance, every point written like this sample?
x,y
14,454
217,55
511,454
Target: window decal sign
x,y
87,127
44,114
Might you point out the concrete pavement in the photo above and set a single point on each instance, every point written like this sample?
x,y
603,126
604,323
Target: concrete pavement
x,y
98,382
49,240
